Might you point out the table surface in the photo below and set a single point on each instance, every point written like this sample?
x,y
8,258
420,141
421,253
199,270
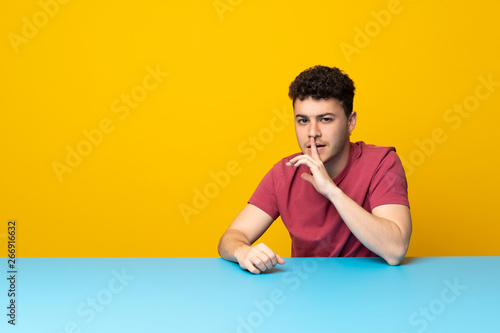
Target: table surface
x,y
431,294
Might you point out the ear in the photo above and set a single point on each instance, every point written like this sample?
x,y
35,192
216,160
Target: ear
x,y
352,121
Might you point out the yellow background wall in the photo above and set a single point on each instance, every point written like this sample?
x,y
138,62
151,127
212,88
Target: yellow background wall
x,y
116,115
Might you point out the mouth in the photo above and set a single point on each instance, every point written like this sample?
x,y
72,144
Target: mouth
x,y
318,146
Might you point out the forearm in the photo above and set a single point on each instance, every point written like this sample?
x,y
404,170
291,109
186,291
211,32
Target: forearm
x,y
230,243
381,236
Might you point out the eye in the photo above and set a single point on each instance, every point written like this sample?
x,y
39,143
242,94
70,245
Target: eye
x,y
326,120
302,121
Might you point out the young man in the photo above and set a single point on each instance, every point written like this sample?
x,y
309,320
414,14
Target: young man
x,y
336,198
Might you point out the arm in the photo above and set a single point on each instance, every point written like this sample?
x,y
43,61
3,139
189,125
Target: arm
x,y
236,243
385,231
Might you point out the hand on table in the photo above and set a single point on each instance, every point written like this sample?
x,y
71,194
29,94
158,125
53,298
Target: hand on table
x,y
259,258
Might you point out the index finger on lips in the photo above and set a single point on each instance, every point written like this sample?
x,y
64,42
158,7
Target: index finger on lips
x,y
314,150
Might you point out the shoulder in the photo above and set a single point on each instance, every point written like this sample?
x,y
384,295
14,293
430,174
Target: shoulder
x,y
281,166
369,150
368,159
274,187
284,160
281,173
368,153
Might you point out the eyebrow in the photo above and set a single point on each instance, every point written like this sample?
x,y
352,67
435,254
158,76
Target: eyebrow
x,y
318,116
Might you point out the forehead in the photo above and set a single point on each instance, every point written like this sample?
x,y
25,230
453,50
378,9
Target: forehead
x,y
310,107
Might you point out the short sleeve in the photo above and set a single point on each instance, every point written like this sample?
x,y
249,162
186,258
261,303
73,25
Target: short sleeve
x,y
264,196
389,185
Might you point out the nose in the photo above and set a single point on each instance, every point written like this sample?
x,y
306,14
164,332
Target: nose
x,y
314,131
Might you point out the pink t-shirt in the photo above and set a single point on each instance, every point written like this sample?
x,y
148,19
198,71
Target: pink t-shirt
x,y
373,176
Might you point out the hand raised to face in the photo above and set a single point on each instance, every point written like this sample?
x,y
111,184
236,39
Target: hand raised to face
x,y
319,177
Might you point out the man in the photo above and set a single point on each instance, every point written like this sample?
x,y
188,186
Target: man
x,y
336,198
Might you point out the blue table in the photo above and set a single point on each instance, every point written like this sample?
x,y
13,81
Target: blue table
x,y
441,294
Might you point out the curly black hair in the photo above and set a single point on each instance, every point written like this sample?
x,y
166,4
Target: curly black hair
x,y
324,82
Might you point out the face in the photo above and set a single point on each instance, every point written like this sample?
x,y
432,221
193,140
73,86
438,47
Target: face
x,y
325,121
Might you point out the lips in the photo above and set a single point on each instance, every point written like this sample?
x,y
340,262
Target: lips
x,y
317,146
